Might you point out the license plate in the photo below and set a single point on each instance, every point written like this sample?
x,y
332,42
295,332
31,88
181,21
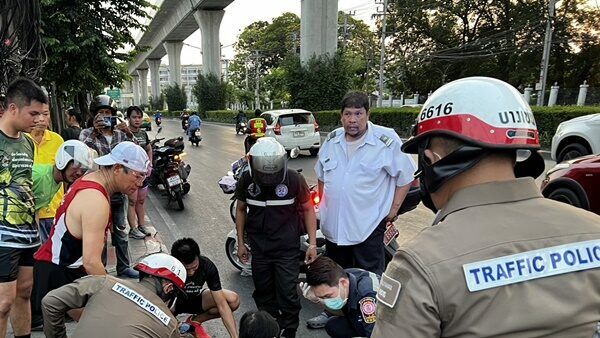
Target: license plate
x,y
197,133
173,180
390,233
298,134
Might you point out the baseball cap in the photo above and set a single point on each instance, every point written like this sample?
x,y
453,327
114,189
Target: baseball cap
x,y
127,154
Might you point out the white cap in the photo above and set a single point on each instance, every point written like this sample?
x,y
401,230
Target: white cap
x,y
127,154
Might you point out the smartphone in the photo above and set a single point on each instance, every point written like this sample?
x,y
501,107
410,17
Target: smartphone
x,y
110,122
390,234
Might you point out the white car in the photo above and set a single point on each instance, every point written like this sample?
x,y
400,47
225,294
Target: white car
x,y
576,137
294,128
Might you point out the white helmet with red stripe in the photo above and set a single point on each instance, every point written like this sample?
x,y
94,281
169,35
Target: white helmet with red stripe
x,y
164,266
483,111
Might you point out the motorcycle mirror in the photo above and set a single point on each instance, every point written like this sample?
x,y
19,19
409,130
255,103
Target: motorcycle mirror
x,y
159,130
295,152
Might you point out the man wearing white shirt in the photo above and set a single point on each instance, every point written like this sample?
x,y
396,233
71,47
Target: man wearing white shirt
x,y
363,180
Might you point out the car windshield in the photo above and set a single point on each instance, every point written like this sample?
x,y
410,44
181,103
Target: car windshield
x,y
294,119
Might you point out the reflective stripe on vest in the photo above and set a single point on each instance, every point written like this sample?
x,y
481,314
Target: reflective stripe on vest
x,y
270,203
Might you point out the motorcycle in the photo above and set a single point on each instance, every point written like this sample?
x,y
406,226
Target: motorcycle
x,y
158,121
184,121
196,137
228,184
170,172
240,126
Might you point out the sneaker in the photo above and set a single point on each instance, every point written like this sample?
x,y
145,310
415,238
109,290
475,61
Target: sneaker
x,y
319,321
136,233
145,230
129,273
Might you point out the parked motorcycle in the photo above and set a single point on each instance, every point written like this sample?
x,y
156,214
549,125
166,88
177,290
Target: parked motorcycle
x,y
240,126
170,172
196,137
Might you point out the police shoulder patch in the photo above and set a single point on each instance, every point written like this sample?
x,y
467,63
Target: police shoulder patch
x,y
389,290
331,135
368,309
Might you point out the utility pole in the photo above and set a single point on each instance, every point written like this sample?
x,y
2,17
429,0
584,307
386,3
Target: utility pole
x,y
246,66
226,77
346,33
382,58
546,53
256,89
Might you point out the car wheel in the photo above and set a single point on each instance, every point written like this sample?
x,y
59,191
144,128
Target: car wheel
x,y
572,151
565,195
314,151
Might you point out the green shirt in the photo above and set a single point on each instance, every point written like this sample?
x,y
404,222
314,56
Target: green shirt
x,y
17,223
142,138
44,185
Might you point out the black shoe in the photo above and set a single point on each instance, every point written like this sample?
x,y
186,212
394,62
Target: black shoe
x,y
288,333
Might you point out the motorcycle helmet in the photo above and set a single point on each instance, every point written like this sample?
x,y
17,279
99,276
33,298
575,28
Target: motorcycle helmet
x,y
103,101
268,162
257,127
76,151
164,266
487,115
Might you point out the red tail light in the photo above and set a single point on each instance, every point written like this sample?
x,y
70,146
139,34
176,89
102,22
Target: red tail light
x,y
277,129
316,126
314,197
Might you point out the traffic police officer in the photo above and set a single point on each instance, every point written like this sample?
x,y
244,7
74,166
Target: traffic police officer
x,y
119,308
350,293
278,202
363,179
500,260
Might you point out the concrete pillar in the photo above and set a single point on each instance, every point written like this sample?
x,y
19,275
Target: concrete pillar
x,y
582,93
391,98
143,73
527,94
154,65
209,23
318,28
174,52
553,95
402,99
135,83
416,98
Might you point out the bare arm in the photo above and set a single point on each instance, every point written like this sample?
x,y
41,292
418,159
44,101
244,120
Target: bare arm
x,y
225,312
240,223
310,222
399,196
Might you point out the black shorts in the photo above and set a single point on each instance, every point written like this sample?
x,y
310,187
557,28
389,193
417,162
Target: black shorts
x,y
11,259
47,277
191,304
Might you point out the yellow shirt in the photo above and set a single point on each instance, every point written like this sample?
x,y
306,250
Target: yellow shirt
x,y
45,152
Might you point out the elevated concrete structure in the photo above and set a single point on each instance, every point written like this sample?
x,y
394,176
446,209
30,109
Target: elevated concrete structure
x,y
318,28
174,22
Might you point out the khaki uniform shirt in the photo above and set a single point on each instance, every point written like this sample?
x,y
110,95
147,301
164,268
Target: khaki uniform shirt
x,y
114,308
500,261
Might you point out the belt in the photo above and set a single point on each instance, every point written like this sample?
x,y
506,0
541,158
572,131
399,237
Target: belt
x,y
269,203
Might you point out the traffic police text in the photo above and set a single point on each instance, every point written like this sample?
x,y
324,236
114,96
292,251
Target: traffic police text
x,y
142,302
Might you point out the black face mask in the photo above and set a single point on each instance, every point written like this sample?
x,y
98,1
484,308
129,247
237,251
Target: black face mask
x,y
433,176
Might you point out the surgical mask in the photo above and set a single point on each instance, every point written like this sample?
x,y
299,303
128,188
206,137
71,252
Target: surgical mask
x,y
336,303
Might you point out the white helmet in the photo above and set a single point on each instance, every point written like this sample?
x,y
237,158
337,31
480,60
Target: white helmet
x,y
164,266
268,162
74,150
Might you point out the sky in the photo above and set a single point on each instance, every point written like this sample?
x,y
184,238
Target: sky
x,y
241,13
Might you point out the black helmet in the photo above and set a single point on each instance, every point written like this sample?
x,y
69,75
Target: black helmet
x,y
103,101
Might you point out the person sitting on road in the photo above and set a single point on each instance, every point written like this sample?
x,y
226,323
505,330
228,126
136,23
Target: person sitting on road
x,y
204,304
120,308
258,324
72,160
195,123
257,128
348,294
78,235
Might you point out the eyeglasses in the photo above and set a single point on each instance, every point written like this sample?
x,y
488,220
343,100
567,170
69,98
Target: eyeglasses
x,y
139,177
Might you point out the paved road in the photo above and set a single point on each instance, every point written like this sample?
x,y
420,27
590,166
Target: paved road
x,y
206,215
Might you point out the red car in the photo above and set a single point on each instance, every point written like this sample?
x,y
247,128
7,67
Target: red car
x,y
576,182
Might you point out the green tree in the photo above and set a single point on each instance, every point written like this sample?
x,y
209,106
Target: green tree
x,y
318,85
211,93
85,43
158,102
175,97
360,49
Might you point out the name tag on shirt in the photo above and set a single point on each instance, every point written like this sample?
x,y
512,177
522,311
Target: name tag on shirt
x,y
142,302
533,264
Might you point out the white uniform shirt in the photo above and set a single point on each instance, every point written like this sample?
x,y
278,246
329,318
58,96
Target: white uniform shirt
x,y
358,192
